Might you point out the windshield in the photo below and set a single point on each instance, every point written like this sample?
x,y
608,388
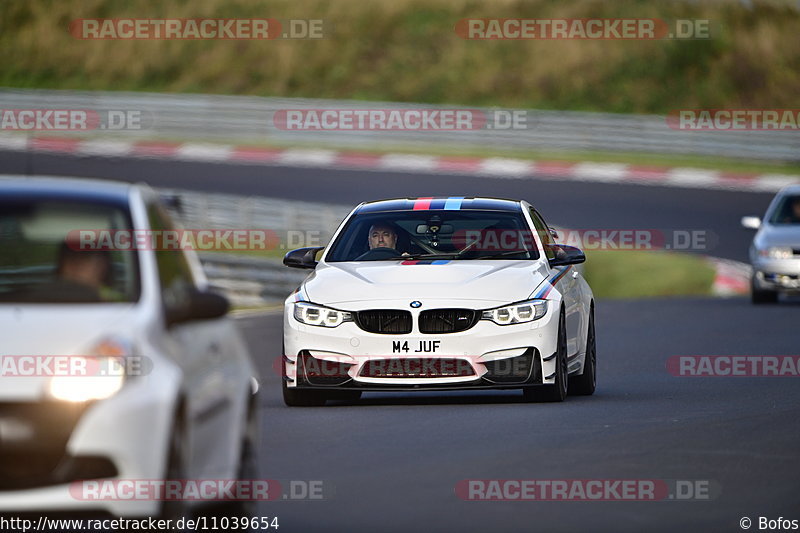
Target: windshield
x,y
43,263
787,211
433,235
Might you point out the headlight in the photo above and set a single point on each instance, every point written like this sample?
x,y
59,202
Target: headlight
x,y
317,315
777,252
101,374
517,313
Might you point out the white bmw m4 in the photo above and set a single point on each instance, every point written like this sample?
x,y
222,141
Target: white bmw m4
x,y
439,294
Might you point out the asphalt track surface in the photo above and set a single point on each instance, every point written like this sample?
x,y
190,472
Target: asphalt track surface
x,y
390,462
393,459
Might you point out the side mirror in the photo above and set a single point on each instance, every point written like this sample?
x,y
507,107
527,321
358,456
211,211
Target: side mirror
x,y
197,305
302,257
566,255
751,222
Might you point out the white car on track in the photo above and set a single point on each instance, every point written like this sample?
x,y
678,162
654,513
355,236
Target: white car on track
x,y
775,251
116,366
439,294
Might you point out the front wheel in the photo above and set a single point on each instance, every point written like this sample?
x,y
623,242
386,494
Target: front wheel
x,y
557,392
585,384
301,397
760,296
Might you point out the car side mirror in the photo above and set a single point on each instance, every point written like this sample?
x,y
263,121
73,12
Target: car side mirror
x,y
302,257
566,255
751,222
196,305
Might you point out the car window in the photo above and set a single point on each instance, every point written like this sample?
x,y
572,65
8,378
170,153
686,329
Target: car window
x,y
787,211
174,273
61,251
454,235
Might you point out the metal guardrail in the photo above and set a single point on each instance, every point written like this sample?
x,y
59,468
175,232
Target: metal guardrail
x,y
250,281
248,119
253,280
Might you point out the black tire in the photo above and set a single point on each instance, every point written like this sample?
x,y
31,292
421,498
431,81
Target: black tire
x,y
585,384
760,296
557,392
302,398
299,398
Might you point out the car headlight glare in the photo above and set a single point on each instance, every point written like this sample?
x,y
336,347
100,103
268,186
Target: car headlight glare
x,y
98,375
518,313
777,252
317,315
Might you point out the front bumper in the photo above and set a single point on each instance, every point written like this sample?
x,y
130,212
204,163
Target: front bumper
x,y
120,438
486,356
777,274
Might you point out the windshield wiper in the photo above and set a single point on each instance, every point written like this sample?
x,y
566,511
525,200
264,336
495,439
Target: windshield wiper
x,y
428,256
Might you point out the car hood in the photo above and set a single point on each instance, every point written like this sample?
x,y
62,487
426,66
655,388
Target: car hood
x,y
774,235
486,280
58,329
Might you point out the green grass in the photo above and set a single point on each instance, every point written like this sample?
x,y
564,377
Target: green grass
x,y
408,51
647,274
274,253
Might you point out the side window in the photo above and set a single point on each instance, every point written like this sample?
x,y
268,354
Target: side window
x,y
174,273
544,233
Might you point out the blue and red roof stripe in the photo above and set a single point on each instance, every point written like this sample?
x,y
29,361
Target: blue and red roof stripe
x,y
452,203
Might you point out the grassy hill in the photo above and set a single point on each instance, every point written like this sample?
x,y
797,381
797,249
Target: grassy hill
x,y
407,50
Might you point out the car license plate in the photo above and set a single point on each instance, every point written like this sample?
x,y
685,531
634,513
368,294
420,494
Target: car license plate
x,y
416,346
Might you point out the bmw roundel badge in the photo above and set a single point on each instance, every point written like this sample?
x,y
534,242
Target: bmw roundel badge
x,y
416,304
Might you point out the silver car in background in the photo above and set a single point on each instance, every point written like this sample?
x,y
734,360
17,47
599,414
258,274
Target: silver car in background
x,y
775,252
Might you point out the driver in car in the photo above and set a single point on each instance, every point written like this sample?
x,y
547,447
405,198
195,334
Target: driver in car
x,y
86,271
381,235
791,211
